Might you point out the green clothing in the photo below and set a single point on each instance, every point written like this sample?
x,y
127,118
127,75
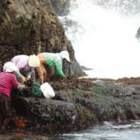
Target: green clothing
x,y
35,91
29,73
18,73
54,60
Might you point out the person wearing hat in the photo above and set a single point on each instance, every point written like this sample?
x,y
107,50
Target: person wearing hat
x,y
26,65
7,82
51,59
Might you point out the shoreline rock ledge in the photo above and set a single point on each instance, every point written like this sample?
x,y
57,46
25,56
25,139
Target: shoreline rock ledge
x,y
78,104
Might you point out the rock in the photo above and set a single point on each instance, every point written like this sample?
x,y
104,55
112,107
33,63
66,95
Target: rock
x,y
138,34
33,27
74,109
44,111
61,6
85,68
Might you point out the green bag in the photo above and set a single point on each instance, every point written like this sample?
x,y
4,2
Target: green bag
x,y
34,91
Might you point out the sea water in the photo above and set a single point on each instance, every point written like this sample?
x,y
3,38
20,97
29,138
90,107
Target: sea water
x,y
106,131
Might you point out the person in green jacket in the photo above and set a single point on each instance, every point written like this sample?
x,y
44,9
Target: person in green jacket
x,y
51,59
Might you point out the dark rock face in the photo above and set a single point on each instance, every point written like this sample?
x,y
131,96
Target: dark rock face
x,y
31,27
61,6
45,110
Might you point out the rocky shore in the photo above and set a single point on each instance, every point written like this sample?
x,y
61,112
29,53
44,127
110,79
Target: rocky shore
x,y
78,104
31,27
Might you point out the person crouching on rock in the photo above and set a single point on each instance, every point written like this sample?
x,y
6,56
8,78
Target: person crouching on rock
x,y
51,59
26,65
7,82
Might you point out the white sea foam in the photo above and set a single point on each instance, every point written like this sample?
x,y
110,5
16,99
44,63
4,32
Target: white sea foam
x,y
104,40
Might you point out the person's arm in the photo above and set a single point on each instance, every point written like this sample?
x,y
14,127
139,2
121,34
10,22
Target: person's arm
x,y
21,65
15,83
29,73
18,73
21,87
58,66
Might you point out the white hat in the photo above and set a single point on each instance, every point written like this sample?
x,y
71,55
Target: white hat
x,y
9,67
47,90
65,54
34,61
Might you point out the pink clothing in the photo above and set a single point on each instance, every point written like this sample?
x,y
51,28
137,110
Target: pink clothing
x,y
21,62
7,82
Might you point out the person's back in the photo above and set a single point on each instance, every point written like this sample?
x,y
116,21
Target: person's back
x,y
7,82
21,62
51,59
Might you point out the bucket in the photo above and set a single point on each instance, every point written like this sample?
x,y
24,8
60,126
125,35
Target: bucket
x,y
47,90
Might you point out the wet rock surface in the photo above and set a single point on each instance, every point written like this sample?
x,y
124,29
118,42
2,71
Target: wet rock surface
x,y
78,104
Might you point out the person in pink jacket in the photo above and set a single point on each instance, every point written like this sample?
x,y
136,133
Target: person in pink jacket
x,y
7,82
26,65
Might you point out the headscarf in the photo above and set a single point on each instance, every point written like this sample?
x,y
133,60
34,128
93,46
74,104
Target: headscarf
x,y
9,67
34,61
65,54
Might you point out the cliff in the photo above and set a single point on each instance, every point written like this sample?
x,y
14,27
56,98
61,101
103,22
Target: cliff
x,y
30,27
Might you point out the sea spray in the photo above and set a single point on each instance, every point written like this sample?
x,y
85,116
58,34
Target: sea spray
x,y
103,38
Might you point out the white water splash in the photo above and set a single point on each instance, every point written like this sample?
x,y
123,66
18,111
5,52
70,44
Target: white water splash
x,y
105,40
106,131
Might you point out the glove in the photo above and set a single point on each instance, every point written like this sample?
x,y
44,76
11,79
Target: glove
x,y
29,77
23,79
